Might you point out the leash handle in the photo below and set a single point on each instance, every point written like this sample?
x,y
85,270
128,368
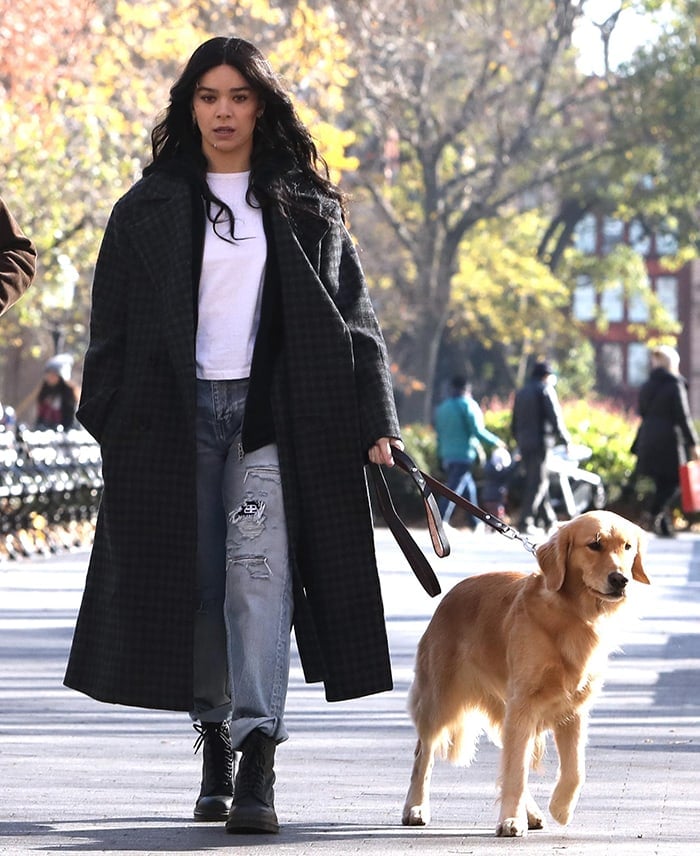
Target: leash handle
x,y
406,463
426,484
413,553
437,533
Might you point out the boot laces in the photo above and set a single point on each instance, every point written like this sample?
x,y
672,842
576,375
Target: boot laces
x,y
255,774
252,776
217,769
208,732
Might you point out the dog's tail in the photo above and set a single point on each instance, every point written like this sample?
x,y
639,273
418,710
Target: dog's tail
x,y
539,750
459,740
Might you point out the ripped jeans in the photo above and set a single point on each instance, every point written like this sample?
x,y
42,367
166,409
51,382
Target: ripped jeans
x,y
243,622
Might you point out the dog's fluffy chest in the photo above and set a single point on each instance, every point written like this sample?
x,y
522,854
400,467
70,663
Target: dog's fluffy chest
x,y
554,665
582,662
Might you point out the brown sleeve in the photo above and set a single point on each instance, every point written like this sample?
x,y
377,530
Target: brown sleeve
x,y
17,260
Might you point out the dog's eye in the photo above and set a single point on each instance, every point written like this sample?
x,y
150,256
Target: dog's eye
x,y
628,546
596,546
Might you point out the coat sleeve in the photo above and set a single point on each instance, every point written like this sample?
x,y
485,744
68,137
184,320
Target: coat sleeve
x,y
17,260
373,381
682,417
554,414
103,367
480,429
514,419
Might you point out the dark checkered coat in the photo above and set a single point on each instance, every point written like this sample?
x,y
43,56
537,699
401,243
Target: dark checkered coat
x,y
332,399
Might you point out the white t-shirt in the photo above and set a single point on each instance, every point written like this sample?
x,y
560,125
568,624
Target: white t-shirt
x,y
230,286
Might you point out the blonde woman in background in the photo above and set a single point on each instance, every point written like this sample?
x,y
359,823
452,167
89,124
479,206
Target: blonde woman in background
x,y
666,436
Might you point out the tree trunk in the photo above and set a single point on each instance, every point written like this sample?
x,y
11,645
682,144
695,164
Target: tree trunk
x,y
418,365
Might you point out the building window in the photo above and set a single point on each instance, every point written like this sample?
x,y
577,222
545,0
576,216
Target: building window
x,y
639,238
637,305
611,363
667,293
584,299
637,363
666,244
612,302
585,234
613,234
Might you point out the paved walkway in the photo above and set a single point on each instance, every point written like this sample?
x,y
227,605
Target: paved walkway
x,y
79,777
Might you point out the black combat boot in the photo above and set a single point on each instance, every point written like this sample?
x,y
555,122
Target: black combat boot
x,y
253,807
216,794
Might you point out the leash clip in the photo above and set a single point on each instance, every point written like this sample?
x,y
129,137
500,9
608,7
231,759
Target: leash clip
x,y
526,542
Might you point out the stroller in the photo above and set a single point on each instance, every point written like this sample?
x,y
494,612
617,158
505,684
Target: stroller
x,y
572,489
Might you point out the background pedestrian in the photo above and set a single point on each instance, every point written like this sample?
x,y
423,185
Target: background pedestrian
x,y
497,473
57,398
666,436
537,425
460,430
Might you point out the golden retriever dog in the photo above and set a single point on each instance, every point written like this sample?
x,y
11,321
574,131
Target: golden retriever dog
x,y
516,655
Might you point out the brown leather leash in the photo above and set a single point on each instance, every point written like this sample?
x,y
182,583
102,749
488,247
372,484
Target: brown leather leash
x,y
413,553
426,485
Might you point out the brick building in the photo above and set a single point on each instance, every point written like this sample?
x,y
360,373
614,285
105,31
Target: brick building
x,y
622,360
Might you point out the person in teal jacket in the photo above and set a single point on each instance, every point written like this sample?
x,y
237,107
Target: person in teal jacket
x,y
459,424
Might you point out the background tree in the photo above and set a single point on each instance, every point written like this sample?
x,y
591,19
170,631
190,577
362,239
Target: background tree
x,y
42,49
477,99
649,166
464,111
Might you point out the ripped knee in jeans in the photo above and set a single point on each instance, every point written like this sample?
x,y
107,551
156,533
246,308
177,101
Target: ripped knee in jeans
x,y
257,566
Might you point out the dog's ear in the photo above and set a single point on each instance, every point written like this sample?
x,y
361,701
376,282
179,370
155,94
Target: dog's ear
x,y
552,559
637,569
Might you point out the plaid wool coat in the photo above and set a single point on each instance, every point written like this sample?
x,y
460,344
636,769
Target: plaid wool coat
x,y
332,399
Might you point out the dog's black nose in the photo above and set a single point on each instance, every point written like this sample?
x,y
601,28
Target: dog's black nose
x,y
617,581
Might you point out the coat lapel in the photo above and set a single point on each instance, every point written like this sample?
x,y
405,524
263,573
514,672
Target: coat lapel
x,y
164,230
299,239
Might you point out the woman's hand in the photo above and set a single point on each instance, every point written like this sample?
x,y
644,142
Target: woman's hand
x,y
380,453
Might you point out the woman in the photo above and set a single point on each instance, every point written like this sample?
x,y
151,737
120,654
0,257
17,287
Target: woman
x,y
666,436
237,381
57,396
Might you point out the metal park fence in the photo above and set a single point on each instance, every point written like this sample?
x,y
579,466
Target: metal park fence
x,y
50,486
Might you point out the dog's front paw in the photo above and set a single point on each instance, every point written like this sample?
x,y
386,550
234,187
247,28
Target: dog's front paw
x,y
560,811
416,815
511,827
562,807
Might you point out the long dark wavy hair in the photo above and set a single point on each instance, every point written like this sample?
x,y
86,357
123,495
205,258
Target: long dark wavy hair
x,y
284,154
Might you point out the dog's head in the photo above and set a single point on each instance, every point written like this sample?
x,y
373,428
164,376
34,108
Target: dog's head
x,y
599,552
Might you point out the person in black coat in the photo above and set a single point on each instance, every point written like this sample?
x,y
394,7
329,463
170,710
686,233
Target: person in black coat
x,y
238,382
666,436
57,398
537,424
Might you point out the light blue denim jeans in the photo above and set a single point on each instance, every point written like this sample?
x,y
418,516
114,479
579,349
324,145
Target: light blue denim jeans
x,y
461,481
243,622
